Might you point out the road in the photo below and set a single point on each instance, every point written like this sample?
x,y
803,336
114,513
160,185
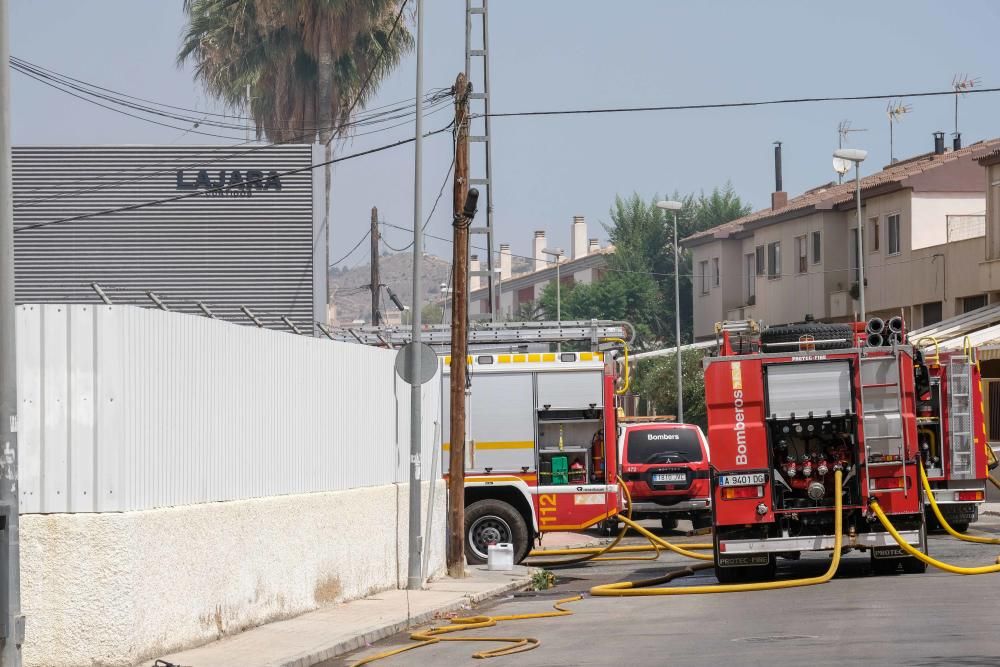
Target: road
x,y
916,620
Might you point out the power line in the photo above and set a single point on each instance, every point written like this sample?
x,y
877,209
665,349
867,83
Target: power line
x,y
351,251
659,274
245,183
433,208
726,105
398,103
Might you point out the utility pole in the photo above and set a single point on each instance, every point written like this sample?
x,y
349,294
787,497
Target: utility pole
x,y
376,283
459,335
414,580
12,630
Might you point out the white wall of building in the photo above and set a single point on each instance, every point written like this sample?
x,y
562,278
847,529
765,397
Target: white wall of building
x,y
930,213
184,478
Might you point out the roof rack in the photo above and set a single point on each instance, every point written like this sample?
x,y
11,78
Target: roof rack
x,y
593,331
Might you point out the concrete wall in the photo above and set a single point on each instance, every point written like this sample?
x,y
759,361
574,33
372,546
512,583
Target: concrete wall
x,y
930,211
120,588
184,478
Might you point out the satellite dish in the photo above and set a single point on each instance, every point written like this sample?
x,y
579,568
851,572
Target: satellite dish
x,y
841,166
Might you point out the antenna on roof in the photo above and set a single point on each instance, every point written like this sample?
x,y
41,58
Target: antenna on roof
x,y
961,84
844,129
895,111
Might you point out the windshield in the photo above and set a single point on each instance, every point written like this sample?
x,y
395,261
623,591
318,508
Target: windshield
x,y
676,445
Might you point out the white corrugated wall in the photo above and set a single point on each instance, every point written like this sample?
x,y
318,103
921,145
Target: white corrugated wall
x,y
123,408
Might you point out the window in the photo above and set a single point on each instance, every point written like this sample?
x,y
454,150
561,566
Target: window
x,y
715,272
874,234
971,303
759,260
750,278
703,273
817,248
774,260
801,251
931,313
892,231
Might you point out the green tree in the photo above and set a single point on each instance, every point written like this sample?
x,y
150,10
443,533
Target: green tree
x,y
309,64
656,381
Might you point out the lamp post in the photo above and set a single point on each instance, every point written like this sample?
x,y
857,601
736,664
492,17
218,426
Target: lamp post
x,y
558,254
670,205
842,159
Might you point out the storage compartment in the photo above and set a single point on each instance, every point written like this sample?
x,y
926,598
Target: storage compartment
x,y
570,389
809,389
565,444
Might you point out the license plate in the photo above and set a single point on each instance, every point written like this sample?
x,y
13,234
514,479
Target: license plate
x,y
670,477
743,561
750,479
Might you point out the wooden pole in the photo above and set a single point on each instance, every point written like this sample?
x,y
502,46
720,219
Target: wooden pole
x,y
459,336
375,284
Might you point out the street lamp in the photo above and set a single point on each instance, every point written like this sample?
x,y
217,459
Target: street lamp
x,y
670,205
842,159
558,254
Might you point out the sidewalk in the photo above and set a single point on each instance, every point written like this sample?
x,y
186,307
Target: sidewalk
x,y
325,633
990,509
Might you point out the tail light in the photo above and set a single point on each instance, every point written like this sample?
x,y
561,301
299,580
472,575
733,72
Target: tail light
x,y
739,492
968,496
888,482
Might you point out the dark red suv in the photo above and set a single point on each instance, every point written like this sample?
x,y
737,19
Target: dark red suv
x,y
666,469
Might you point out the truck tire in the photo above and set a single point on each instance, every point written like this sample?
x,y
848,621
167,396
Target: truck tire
x,y
701,520
833,333
668,522
492,522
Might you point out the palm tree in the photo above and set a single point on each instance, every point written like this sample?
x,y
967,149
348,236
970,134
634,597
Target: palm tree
x,y
308,65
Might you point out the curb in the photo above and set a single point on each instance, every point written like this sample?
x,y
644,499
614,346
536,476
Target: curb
x,y
376,633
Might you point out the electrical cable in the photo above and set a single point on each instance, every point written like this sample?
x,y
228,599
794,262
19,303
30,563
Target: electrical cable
x,y
351,251
245,183
727,105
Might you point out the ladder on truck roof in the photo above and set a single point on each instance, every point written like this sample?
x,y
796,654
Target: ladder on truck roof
x,y
487,333
882,414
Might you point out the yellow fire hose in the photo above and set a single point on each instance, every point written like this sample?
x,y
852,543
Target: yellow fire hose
x,y
517,644
941,519
656,544
636,588
919,555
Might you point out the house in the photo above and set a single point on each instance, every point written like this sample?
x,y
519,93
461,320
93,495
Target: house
x,y
586,262
928,253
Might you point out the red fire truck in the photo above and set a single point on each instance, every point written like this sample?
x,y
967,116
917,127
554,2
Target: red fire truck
x,y
540,445
788,406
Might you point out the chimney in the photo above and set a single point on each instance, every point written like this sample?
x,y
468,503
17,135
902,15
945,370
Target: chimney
x,y
505,261
538,245
475,281
956,141
779,198
578,237
938,143
593,246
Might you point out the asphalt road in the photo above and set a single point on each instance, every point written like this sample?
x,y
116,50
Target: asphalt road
x,y
917,620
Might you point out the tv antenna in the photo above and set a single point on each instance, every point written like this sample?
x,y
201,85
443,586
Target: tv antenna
x,y
844,131
961,84
895,111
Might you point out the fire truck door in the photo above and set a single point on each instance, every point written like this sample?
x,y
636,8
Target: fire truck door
x,y
501,423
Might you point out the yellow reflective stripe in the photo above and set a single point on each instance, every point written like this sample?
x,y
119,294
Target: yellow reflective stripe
x,y
519,358
548,356
586,356
503,359
534,357
499,444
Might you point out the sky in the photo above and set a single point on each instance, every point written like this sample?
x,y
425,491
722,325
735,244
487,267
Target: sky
x,y
567,54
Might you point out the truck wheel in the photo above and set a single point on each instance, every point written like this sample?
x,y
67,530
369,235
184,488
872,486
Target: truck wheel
x,y
834,333
960,526
492,522
701,520
668,523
